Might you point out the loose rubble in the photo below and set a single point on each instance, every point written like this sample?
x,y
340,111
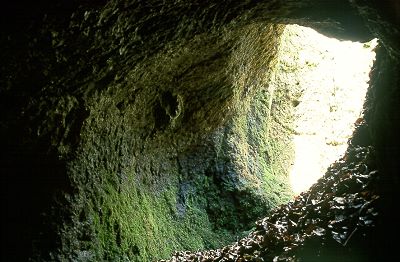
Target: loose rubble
x,y
332,215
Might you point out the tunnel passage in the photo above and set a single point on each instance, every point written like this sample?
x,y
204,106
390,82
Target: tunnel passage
x,y
164,152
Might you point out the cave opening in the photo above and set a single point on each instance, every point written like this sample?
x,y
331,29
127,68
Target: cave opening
x,y
325,81
178,147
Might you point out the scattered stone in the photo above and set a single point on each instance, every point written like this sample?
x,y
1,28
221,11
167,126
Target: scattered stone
x,y
336,208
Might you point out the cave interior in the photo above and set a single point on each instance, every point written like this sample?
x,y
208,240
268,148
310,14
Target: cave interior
x,y
135,130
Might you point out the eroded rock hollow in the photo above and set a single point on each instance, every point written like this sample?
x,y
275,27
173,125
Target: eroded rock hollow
x,y
132,129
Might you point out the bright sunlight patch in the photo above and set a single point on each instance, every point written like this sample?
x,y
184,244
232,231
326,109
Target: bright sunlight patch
x,y
328,80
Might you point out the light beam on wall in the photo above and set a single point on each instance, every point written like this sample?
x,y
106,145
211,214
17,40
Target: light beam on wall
x,y
329,81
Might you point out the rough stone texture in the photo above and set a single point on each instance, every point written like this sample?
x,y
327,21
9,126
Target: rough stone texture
x,y
329,222
130,129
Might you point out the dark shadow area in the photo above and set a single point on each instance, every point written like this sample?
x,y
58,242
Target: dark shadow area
x,y
32,179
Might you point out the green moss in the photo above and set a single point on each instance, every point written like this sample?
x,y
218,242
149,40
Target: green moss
x,y
177,166
139,226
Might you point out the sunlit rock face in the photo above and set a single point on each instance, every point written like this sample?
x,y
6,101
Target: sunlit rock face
x,y
326,81
131,129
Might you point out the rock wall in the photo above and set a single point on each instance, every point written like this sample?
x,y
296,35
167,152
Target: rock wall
x,y
131,129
